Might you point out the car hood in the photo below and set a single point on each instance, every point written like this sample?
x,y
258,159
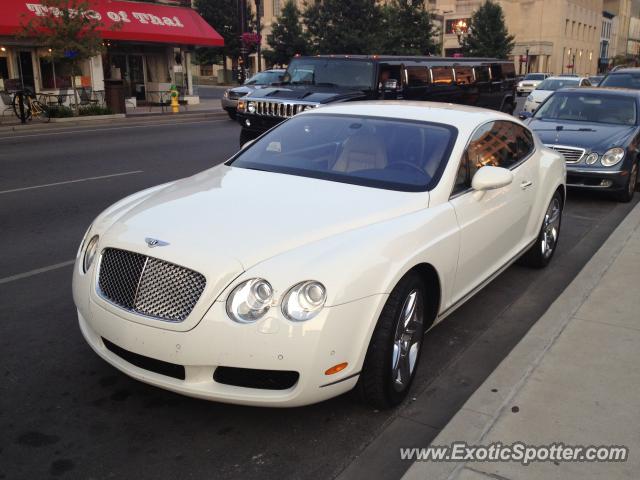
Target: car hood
x,y
307,93
590,136
226,220
540,95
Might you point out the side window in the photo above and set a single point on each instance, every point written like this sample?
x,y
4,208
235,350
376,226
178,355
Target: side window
x,y
497,144
442,75
417,76
482,74
509,70
524,141
496,73
464,75
494,144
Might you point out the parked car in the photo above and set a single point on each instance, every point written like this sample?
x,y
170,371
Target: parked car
x,y
595,79
313,81
622,78
549,86
367,223
230,98
597,131
530,82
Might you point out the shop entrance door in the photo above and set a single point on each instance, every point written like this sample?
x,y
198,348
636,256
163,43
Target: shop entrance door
x,y
136,75
25,70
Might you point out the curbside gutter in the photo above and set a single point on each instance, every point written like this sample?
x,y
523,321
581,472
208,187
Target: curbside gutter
x,y
491,400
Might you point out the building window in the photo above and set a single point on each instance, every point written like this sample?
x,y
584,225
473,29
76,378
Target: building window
x,y
276,7
4,68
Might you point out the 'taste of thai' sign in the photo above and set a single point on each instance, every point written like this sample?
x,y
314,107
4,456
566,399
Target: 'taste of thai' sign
x,y
119,16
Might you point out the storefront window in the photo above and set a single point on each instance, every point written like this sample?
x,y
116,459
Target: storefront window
x,y
4,68
46,73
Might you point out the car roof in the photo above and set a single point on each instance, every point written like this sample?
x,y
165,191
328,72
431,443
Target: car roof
x,y
411,58
460,116
564,77
628,92
625,70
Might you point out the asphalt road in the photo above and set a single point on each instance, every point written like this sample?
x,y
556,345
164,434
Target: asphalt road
x,y
64,413
210,91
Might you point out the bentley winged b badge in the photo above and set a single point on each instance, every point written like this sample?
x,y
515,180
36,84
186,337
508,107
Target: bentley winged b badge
x,y
154,242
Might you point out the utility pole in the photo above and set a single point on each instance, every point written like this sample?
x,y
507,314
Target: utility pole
x,y
259,44
527,70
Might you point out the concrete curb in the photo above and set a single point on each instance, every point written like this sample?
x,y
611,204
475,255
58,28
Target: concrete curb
x,y
110,122
476,418
88,118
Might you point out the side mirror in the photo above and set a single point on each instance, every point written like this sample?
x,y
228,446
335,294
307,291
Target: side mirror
x,y
390,85
491,178
247,144
524,115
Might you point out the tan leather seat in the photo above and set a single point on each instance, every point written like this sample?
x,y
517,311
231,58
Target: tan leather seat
x,y
363,151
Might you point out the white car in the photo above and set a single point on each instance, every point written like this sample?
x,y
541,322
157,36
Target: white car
x,y
550,85
314,260
530,82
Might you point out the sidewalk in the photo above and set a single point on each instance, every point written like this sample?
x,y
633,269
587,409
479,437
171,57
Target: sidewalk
x,y
574,378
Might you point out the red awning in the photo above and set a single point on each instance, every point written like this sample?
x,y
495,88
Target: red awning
x,y
140,22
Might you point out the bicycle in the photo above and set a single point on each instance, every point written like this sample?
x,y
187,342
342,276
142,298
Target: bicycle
x,y
33,108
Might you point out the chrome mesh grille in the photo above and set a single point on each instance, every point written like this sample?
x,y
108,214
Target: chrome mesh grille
x,y
570,154
148,286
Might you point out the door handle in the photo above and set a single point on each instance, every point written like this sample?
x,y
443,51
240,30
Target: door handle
x,y
526,184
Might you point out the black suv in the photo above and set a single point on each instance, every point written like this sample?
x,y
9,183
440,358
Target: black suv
x,y
313,81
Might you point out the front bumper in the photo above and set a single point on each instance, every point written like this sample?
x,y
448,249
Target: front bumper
x,y
229,104
525,89
338,334
258,124
596,178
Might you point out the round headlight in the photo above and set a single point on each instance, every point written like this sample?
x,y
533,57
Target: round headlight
x,y
612,156
304,301
90,253
251,107
591,158
250,300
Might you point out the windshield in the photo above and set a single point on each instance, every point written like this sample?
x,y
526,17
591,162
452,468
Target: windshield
x,y
265,78
553,84
376,152
534,76
591,107
356,74
623,80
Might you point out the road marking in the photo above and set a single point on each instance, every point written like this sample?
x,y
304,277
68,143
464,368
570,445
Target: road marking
x,y
37,271
93,130
70,181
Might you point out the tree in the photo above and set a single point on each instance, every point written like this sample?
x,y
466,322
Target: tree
x,y
488,34
69,28
287,38
224,17
337,26
408,28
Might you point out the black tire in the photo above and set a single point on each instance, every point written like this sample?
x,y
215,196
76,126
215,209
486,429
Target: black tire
x,y
626,195
16,107
378,384
539,256
231,113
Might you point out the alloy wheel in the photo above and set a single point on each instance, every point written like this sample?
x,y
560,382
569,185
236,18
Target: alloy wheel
x,y
633,179
551,228
407,341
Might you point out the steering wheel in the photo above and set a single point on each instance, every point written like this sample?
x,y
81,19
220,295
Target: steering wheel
x,y
403,163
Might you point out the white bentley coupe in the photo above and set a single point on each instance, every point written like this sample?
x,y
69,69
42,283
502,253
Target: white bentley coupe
x,y
314,261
